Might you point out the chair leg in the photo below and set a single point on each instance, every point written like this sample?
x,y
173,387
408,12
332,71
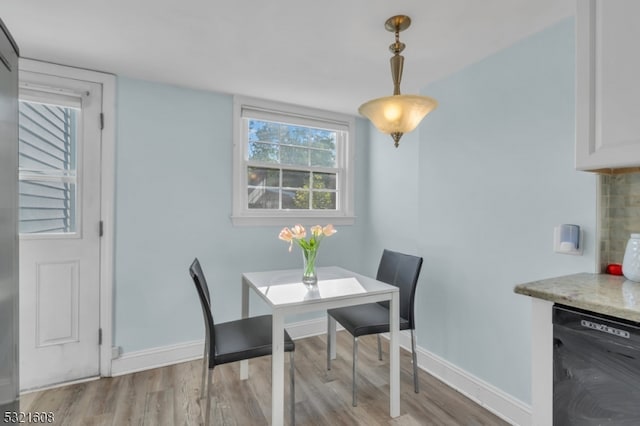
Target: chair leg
x,y
207,415
379,348
328,343
205,362
354,388
415,362
292,386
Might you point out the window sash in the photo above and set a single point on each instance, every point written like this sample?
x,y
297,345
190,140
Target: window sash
x,y
281,188
282,150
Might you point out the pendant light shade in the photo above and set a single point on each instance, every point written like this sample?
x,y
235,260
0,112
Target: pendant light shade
x,y
397,114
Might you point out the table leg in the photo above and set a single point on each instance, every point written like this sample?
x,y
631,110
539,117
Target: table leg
x,y
394,356
277,369
331,336
244,365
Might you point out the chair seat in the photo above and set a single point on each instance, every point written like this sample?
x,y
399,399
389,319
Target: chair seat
x,y
362,320
246,338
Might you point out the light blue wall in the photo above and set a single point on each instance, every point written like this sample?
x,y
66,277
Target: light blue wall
x,y
477,194
173,202
392,215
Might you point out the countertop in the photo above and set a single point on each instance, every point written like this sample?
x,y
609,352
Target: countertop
x,y
605,294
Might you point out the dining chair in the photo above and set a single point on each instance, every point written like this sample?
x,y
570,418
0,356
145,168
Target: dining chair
x,y
402,271
237,340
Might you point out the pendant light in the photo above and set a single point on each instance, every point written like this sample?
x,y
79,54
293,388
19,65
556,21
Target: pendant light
x,y
397,114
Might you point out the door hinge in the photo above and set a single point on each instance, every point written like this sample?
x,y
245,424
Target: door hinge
x,y
101,229
99,336
101,121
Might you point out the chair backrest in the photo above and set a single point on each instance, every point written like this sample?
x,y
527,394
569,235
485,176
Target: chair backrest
x,y
402,271
195,270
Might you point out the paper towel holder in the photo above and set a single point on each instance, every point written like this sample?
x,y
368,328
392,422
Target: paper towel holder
x,y
568,239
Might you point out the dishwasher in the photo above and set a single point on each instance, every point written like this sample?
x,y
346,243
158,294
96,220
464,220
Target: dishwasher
x,y
596,369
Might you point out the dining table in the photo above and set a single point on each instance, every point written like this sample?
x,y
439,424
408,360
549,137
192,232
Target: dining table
x,y
285,294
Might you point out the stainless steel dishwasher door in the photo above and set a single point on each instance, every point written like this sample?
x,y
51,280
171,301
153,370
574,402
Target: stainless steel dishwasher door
x,y
596,369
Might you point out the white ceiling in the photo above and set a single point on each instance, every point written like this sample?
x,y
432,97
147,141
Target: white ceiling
x,y
331,54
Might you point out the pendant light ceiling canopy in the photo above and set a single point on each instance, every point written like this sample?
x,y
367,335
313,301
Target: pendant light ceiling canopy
x,y
397,114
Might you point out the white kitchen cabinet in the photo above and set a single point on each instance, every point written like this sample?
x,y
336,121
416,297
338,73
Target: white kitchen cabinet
x,y
607,84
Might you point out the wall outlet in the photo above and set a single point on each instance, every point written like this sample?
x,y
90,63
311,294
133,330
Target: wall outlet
x,y
115,352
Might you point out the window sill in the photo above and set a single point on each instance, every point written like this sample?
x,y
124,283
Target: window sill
x,y
291,220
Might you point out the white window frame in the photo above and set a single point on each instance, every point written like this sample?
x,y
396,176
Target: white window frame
x,y
287,113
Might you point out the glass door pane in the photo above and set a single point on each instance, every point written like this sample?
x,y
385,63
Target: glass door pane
x,y
47,167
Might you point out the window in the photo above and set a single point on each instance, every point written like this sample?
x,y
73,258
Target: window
x,y
47,163
291,164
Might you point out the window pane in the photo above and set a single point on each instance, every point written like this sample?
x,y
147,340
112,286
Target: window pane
x,y
293,155
296,135
266,152
258,176
325,139
47,168
47,137
295,179
298,199
322,158
324,181
264,131
47,207
324,200
263,198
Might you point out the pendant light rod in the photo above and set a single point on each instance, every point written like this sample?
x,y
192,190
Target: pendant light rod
x,y
396,24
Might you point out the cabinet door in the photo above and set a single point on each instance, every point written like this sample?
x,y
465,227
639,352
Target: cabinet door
x,y
608,84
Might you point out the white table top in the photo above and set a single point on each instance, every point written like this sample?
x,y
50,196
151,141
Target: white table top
x,y
285,288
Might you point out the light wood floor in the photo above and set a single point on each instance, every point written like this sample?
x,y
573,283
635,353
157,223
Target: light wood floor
x,y
170,395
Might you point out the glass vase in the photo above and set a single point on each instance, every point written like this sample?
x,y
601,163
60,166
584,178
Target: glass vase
x,y
309,277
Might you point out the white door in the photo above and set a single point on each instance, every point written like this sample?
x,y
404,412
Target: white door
x,y
60,137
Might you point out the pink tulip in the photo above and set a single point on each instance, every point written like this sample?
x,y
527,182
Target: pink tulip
x,y
285,235
328,230
298,232
316,230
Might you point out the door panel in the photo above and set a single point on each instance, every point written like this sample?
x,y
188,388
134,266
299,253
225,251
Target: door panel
x,y
57,322
59,176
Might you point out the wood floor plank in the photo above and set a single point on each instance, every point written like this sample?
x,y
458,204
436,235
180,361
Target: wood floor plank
x,y
171,395
185,395
158,409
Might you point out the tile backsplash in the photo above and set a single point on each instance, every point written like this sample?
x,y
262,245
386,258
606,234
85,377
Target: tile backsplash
x,y
619,214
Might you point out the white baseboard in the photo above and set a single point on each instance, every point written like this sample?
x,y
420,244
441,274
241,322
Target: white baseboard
x,y
131,362
314,327
491,398
488,396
